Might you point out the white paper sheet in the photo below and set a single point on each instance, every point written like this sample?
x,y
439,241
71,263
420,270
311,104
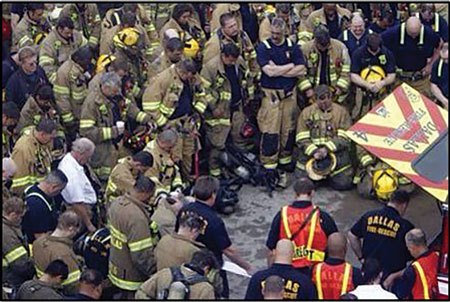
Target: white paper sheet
x,y
235,269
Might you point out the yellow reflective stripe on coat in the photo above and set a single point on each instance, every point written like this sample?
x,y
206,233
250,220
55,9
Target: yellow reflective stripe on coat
x,y
331,146
319,281
423,279
218,122
24,40
93,40
347,269
102,171
52,77
23,181
365,160
107,133
72,278
46,60
124,284
161,121
285,222
79,95
140,245
68,117
310,149
140,116
15,254
151,106
39,273
285,160
86,123
166,110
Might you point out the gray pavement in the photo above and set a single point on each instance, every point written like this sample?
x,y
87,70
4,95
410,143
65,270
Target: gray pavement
x,y
249,225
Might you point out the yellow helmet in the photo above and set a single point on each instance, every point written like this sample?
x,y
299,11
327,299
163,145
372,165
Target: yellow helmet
x,y
40,37
103,61
127,37
191,48
373,74
270,9
384,182
319,169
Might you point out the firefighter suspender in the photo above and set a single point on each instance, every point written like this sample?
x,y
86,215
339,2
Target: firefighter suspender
x,y
403,32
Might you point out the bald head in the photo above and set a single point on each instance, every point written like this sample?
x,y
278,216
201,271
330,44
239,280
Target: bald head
x,y
337,245
358,26
413,26
9,168
284,251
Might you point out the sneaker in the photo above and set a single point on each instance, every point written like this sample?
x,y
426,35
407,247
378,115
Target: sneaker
x,y
283,181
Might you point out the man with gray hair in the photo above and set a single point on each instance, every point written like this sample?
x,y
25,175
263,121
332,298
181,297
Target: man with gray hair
x,y
418,281
42,209
356,36
282,65
9,169
79,192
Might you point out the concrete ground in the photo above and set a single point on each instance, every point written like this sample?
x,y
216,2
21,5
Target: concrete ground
x,y
249,225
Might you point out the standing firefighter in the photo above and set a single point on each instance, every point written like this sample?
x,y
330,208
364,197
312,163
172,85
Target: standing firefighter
x,y
282,64
324,147
131,259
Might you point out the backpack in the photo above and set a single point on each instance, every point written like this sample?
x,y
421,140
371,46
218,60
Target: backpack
x,y
179,288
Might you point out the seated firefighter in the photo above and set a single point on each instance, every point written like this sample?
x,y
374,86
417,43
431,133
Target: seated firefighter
x,y
324,147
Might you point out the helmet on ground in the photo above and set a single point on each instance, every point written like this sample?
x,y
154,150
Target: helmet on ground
x,y
103,61
384,183
191,48
373,74
139,139
320,169
127,37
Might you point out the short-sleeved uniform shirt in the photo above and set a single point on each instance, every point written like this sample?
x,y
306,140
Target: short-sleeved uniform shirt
x,y
439,76
362,58
280,55
383,232
41,215
214,236
352,42
297,285
326,222
410,56
443,27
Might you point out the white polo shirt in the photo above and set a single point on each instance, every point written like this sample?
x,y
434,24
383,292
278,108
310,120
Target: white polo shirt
x,y
374,291
78,188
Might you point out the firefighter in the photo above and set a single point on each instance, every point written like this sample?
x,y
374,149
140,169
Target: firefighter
x,y
102,120
9,169
324,146
334,74
282,64
190,33
439,78
17,264
177,99
123,176
114,19
10,118
356,35
415,49
384,20
223,8
330,15
285,12
58,245
373,71
164,172
227,83
57,47
128,46
127,20
108,63
40,105
229,32
335,276
32,155
131,259
419,280
172,54
86,19
303,11
31,29
318,226
432,19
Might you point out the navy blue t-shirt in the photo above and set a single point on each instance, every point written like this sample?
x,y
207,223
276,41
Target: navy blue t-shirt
x,y
184,106
443,26
40,216
334,27
352,43
383,232
442,80
410,56
362,58
297,285
280,55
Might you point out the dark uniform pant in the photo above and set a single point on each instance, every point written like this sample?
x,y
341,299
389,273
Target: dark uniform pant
x,y
276,121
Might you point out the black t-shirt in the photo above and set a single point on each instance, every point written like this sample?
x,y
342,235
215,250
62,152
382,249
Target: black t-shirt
x,y
326,222
334,27
214,236
184,106
383,232
323,68
232,75
362,58
297,286
41,216
440,78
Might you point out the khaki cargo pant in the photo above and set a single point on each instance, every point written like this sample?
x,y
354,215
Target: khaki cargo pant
x,y
277,123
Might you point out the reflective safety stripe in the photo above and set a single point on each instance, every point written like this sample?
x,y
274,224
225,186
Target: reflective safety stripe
x,y
61,89
331,146
84,41
111,186
107,133
200,107
304,85
140,245
124,284
177,182
15,254
345,68
218,122
403,32
103,171
93,40
86,123
319,281
440,68
342,133
225,96
39,273
79,95
162,120
346,278
342,83
345,35
117,234
300,166
266,43
72,278
214,172
423,279
46,60
365,160
340,170
285,160
310,149
436,22
271,166
319,140
284,218
24,40
68,117
166,110
150,106
312,229
5,263
52,78
140,116
41,197
23,181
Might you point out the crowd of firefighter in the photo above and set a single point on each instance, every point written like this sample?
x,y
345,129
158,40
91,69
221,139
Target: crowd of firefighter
x,y
113,115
